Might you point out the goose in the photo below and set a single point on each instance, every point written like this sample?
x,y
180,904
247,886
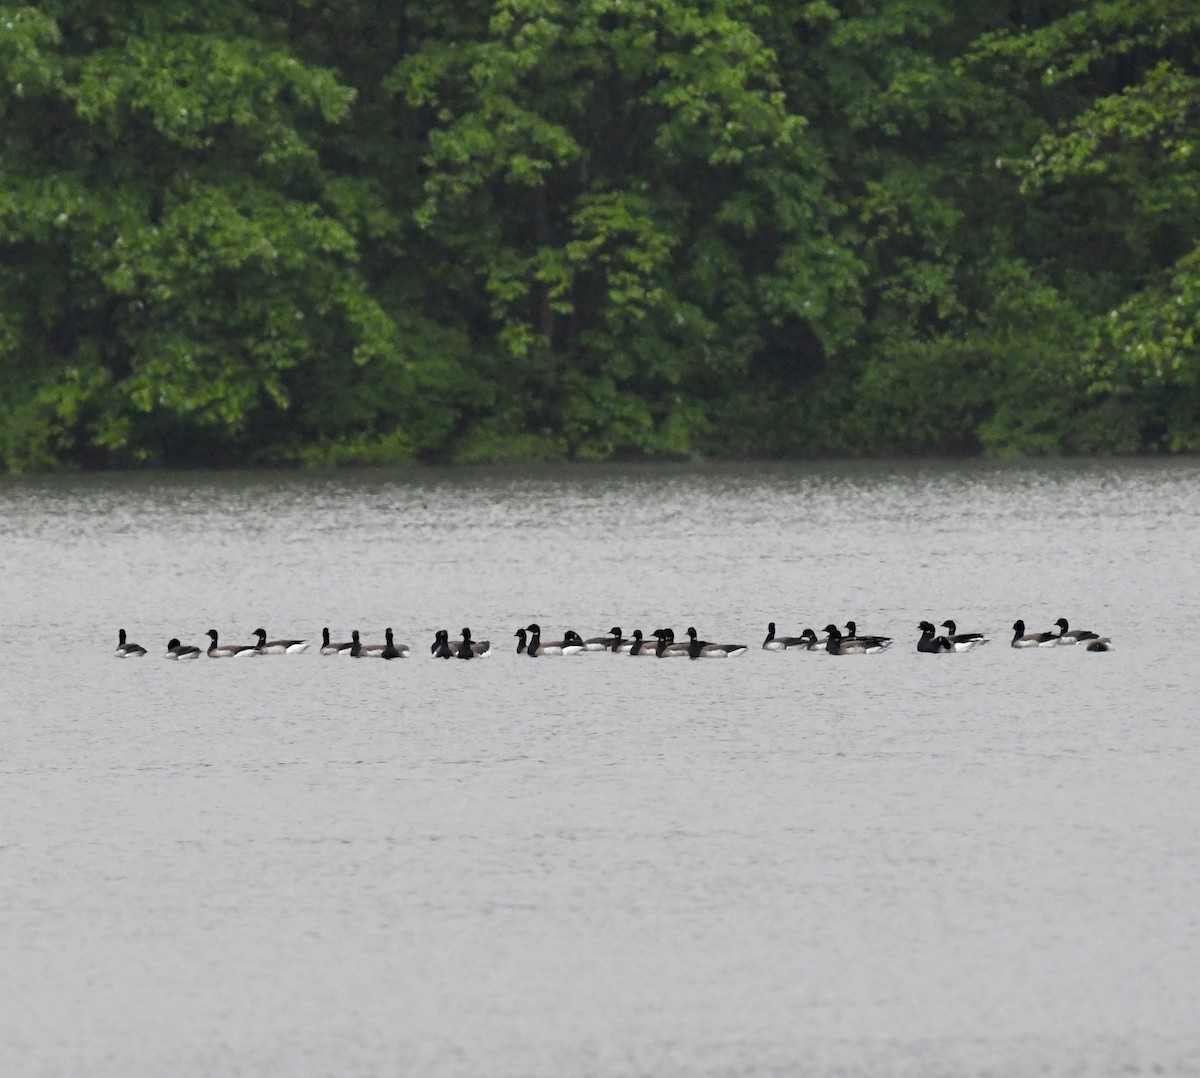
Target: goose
x,y
441,649
466,648
535,647
839,645
695,646
602,643
359,650
956,638
852,634
782,643
573,643
811,641
666,647
478,647
176,650
522,641
279,647
392,650
639,645
328,648
1101,643
1073,636
570,644
703,649
930,644
229,651
126,650
1022,639
620,644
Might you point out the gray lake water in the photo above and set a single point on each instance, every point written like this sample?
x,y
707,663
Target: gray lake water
x,y
780,864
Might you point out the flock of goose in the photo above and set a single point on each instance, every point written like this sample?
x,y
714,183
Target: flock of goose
x,y
659,644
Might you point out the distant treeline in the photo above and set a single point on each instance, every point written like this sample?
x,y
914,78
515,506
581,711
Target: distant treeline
x,y
337,231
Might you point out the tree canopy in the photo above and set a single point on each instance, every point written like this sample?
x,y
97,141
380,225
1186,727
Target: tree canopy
x,y
321,232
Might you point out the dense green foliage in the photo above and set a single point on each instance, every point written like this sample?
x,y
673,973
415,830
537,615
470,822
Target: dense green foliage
x,y
301,230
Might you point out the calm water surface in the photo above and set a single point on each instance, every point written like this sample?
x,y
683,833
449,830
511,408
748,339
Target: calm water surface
x,y
784,864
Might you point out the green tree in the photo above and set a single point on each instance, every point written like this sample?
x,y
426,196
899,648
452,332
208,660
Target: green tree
x,y
1122,166
177,255
345,232
635,206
